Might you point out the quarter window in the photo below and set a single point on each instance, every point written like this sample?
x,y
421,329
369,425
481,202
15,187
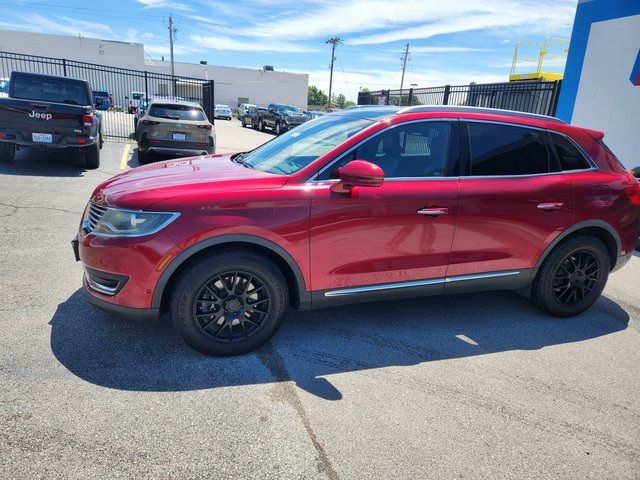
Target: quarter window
x,y
418,149
568,154
506,150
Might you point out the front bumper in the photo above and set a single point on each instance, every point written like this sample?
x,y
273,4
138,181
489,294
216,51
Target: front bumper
x,y
142,314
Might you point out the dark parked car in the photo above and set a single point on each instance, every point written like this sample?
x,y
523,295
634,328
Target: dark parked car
x,y
243,108
280,117
251,115
360,205
50,112
101,100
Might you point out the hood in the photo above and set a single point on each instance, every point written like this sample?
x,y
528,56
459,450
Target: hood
x,y
181,181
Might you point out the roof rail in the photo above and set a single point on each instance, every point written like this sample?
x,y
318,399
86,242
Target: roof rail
x,y
497,111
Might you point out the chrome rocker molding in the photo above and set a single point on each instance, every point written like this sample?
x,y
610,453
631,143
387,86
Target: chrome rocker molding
x,y
417,283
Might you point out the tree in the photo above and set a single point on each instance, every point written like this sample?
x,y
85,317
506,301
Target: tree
x,y
339,100
316,96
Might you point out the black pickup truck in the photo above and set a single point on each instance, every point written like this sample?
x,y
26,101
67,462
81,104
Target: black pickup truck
x,y
280,117
47,112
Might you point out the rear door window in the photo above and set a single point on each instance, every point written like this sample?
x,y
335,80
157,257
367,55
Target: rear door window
x,y
502,150
177,112
568,154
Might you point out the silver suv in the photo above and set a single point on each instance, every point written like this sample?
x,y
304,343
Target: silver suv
x,y
174,127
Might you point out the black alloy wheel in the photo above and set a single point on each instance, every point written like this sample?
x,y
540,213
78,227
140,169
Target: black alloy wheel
x,y
576,277
572,276
229,302
232,306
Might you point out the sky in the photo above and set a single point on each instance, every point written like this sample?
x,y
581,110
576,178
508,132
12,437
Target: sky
x,y
450,42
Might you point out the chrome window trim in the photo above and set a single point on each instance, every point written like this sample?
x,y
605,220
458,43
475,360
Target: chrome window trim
x,y
313,179
417,283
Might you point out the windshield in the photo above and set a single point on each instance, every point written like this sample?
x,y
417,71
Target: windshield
x,y
299,147
176,112
288,109
59,90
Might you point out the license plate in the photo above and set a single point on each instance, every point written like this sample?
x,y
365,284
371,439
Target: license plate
x,y
42,137
179,136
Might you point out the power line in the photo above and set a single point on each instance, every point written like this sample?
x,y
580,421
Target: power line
x,y
333,41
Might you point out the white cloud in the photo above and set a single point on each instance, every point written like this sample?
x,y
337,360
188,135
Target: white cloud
x,y
222,42
422,49
165,4
60,25
378,21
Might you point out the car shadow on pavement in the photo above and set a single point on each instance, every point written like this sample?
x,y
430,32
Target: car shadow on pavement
x,y
35,162
126,354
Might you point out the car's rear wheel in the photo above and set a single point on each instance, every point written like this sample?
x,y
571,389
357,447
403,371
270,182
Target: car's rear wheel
x,y
244,124
572,277
7,151
261,126
92,156
229,303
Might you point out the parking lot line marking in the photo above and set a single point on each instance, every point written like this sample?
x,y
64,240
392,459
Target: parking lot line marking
x,y
125,156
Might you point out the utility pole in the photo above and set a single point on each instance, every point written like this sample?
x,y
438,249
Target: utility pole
x,y
333,41
405,56
172,33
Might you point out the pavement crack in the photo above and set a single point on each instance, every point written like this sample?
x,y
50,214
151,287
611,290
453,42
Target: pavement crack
x,y
22,207
272,360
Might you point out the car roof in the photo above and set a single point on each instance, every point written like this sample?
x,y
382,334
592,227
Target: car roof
x,y
173,101
488,111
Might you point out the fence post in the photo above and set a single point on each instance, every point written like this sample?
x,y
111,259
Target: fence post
x,y
146,86
64,66
410,97
445,97
386,101
557,85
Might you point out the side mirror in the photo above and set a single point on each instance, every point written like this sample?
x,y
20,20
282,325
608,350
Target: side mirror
x,y
358,173
636,172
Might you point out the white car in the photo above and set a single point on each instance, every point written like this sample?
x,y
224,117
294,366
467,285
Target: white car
x,y
222,111
4,87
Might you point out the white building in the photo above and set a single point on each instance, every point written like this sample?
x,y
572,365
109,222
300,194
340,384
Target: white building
x,y
232,85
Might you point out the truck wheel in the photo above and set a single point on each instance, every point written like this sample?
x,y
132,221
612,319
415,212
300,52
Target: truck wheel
x,y
243,123
7,151
261,126
229,303
278,128
572,277
92,156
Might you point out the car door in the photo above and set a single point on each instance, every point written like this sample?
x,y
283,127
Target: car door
x,y
513,201
394,234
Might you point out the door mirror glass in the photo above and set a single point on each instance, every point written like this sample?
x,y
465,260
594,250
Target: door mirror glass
x,y
635,172
358,173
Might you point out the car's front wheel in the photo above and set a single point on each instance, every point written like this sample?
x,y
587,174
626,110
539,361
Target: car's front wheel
x,y
261,125
278,128
572,277
229,303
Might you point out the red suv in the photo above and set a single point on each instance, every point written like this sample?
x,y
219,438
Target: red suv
x,y
365,204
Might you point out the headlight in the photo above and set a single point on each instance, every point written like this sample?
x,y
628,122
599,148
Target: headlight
x,y
129,223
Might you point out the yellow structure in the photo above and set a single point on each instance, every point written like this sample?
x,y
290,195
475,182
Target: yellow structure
x,y
552,47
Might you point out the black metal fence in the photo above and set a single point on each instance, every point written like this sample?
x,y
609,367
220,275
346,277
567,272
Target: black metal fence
x,y
534,97
125,89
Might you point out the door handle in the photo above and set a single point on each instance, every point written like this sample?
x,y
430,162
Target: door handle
x,y
550,205
433,211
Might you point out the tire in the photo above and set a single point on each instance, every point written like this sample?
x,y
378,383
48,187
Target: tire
x,y
224,332
572,277
7,151
278,128
92,156
143,157
261,125
243,123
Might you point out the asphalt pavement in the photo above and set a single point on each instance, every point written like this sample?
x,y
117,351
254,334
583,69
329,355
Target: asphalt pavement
x,y
466,386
